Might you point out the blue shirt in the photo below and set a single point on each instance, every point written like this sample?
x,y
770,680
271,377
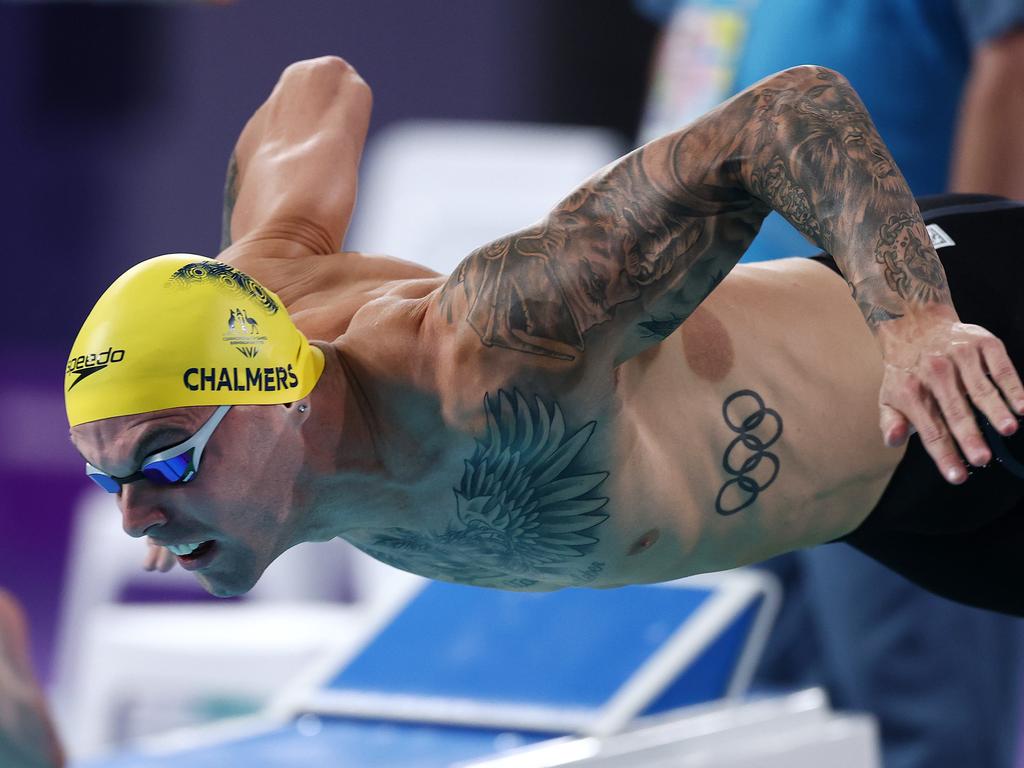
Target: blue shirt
x,y
907,59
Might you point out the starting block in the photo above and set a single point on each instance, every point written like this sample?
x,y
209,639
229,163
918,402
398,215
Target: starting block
x,y
462,673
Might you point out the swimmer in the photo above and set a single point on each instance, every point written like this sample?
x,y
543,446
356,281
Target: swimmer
x,y
602,398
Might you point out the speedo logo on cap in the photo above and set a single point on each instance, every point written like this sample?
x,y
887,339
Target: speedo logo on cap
x,y
87,365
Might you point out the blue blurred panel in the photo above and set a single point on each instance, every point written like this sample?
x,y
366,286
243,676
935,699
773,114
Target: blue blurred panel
x,y
338,743
707,678
570,648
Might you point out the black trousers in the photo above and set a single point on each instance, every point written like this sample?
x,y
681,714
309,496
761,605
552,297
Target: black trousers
x,y
964,542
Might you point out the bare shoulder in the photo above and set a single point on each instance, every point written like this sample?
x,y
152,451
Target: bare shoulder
x,y
323,291
481,361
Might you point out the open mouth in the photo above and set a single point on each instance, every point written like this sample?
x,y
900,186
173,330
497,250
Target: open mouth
x,y
192,556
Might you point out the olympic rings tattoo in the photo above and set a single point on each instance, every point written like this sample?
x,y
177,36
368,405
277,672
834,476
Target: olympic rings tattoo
x,y
746,415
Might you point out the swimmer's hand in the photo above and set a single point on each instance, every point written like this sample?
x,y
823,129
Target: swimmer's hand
x,y
935,368
157,558
28,738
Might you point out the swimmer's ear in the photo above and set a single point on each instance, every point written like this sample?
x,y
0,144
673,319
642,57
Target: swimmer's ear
x,y
300,408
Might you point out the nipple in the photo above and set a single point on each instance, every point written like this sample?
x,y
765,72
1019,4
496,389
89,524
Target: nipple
x,y
645,542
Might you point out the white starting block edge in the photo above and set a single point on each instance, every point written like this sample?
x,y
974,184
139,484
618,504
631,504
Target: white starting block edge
x,y
779,732
810,706
691,736
733,591
209,735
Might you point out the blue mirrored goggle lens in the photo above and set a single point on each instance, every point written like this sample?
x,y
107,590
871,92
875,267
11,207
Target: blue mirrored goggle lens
x,y
107,483
172,470
177,469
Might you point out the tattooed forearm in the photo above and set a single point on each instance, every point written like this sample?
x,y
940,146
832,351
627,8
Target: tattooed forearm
x,y
817,158
910,267
751,467
873,313
230,196
662,327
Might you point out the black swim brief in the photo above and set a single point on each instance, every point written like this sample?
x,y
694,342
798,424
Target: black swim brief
x,y
964,542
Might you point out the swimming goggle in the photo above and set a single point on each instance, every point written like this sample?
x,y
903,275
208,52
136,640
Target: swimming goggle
x,y
174,465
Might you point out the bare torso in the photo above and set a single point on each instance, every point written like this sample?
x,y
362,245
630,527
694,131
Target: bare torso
x,y
784,334
540,418
782,346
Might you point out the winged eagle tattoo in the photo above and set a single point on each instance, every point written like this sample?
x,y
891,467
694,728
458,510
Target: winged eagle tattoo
x,y
521,509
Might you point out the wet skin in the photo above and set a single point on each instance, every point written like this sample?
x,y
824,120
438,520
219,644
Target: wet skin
x,y
241,497
530,422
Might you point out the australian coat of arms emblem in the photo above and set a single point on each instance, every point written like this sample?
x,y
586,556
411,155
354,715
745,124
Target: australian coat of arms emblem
x,y
244,333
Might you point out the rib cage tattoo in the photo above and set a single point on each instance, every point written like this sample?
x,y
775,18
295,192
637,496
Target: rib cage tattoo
x,y
525,509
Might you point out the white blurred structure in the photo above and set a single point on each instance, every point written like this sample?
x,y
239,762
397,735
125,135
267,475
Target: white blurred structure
x,y
500,669
431,193
115,660
794,731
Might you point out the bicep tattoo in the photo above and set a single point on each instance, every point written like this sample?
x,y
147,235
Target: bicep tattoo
x,y
816,157
230,197
629,238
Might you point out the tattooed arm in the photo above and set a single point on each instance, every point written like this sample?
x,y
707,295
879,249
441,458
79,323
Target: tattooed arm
x,y
819,161
230,198
628,256
625,259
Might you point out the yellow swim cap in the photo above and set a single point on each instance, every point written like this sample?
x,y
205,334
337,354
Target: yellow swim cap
x,y
181,330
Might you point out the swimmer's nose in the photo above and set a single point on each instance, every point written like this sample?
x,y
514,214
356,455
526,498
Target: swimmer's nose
x,y
139,513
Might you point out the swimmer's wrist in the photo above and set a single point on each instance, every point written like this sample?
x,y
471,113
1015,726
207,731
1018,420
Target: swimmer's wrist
x,y
891,295
915,323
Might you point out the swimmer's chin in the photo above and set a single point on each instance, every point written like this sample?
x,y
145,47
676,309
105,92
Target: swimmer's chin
x,y
224,590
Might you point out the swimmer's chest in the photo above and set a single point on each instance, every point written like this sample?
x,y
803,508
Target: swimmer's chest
x,y
485,559
637,507
573,533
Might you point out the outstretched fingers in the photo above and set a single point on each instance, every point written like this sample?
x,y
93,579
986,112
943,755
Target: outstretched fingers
x,y
943,379
1004,374
913,401
157,558
942,393
894,425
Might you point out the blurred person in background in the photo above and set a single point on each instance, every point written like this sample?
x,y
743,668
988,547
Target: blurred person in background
x,y
27,736
944,82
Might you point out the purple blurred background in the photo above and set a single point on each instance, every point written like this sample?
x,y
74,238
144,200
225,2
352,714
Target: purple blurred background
x,y
117,125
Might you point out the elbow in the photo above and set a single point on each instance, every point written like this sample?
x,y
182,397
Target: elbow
x,y
811,71
324,66
805,77
805,92
330,73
